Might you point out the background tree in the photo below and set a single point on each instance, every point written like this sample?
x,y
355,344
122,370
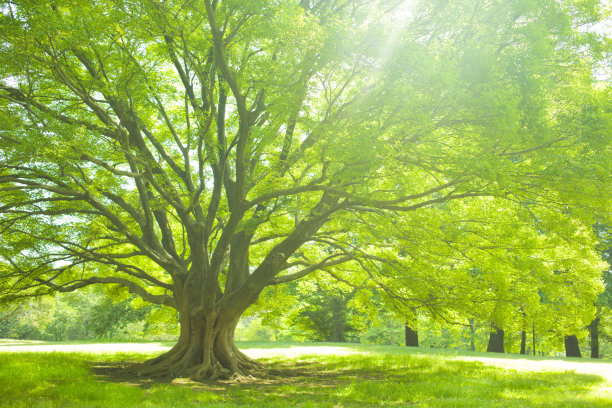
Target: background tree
x,y
197,153
26,318
106,319
411,335
87,314
316,309
604,302
572,349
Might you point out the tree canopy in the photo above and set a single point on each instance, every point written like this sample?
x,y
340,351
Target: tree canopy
x,y
452,154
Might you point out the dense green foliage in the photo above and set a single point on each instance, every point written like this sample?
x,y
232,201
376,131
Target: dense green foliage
x,y
87,315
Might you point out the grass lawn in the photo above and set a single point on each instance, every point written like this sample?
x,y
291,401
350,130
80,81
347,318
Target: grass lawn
x,y
376,376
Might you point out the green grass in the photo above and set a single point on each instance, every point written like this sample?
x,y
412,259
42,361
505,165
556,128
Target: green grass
x,y
383,376
13,342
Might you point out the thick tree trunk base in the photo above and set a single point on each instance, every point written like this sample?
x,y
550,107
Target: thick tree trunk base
x,y
571,347
411,336
185,362
496,341
205,351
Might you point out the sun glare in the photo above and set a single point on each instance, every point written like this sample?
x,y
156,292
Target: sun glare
x,y
402,11
398,15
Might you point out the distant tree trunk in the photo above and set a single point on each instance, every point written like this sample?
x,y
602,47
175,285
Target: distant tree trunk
x,y
523,342
496,340
533,337
523,335
338,332
338,310
571,347
594,332
472,333
412,337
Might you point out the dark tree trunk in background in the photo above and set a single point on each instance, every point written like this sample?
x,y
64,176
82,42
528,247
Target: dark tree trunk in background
x,y
338,310
523,335
338,332
472,334
533,338
496,340
594,332
412,337
571,347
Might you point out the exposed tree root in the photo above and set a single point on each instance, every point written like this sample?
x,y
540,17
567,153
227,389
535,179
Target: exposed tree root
x,y
205,350
179,363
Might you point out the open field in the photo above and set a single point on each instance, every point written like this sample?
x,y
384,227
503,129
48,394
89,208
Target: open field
x,y
303,375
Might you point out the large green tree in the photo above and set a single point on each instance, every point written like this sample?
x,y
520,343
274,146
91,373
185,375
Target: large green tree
x,y
197,152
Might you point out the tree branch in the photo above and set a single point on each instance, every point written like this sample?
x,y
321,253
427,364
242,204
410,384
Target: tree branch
x,y
327,262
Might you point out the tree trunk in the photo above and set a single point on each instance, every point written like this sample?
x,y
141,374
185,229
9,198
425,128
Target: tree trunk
x,y
571,347
594,332
411,336
338,310
496,340
472,334
338,332
205,349
533,339
523,342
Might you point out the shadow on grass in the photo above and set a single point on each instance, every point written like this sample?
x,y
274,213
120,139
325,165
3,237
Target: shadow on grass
x,y
246,345
72,380
358,381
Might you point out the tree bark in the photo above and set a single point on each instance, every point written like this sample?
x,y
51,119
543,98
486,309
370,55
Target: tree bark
x,y
338,332
571,347
205,349
338,310
472,334
411,336
523,342
496,340
594,332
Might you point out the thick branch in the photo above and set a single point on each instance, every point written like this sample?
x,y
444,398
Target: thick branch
x,y
131,286
327,262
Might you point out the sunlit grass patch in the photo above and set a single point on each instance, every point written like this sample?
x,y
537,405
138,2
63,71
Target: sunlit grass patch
x,y
428,380
67,380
